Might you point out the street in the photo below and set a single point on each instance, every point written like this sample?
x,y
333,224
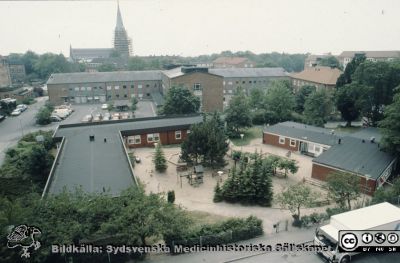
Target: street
x,y
13,128
297,237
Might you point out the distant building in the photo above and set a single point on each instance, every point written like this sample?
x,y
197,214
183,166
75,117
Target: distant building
x,y
5,78
320,77
314,60
200,81
122,46
233,62
346,56
101,87
17,72
247,79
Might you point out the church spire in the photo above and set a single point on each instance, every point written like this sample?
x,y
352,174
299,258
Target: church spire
x,y
120,24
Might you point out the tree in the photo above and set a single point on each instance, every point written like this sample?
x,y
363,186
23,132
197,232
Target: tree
x,y
180,101
238,115
279,101
50,63
390,127
250,183
288,166
387,195
43,116
330,61
134,102
159,160
346,76
171,196
206,142
317,108
107,67
301,96
295,197
256,98
343,187
383,78
351,100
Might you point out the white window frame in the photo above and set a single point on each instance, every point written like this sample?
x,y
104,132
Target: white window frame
x,y
116,87
153,137
282,140
178,135
197,87
292,142
108,87
76,88
188,132
139,86
136,139
89,88
83,88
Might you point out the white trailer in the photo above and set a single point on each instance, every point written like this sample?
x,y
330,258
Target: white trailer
x,y
383,216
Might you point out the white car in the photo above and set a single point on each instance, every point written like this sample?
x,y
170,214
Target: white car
x,y
22,107
104,106
55,118
16,112
87,118
107,116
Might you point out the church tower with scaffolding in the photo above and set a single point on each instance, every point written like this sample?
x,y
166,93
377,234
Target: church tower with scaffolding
x,y
122,43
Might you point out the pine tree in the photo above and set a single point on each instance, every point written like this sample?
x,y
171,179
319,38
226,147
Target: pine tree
x,y
159,160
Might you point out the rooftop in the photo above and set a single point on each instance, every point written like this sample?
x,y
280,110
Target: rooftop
x,y
96,165
90,53
248,72
101,77
319,74
373,54
356,156
304,132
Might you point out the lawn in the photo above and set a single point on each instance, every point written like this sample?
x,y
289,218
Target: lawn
x,y
201,218
250,134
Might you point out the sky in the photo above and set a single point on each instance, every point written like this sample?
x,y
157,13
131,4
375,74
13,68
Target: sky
x,y
195,27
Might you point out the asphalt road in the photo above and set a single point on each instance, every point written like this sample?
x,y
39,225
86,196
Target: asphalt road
x,y
13,128
297,237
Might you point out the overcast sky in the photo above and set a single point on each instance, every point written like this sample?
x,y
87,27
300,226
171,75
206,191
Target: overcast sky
x,y
189,27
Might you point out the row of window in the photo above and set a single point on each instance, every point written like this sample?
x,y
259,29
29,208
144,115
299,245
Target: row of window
x,y
110,87
283,139
244,82
152,137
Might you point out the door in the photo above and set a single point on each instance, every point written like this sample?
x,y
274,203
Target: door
x,y
102,98
83,99
77,99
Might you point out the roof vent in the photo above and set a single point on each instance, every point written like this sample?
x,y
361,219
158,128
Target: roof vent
x,y
339,141
91,138
363,141
372,139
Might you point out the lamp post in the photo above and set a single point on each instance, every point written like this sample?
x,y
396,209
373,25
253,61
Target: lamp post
x,y
241,137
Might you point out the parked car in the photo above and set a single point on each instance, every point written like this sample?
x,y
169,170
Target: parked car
x,y
125,116
16,112
88,118
2,117
107,116
62,113
65,107
116,116
98,117
22,107
55,118
104,106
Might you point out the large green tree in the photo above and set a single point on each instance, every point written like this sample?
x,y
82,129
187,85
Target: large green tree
x,y
390,126
160,163
301,96
351,100
207,142
238,115
330,61
318,107
279,101
343,188
346,76
180,101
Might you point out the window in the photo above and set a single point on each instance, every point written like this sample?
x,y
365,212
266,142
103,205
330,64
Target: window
x,y
197,86
188,131
147,85
134,139
117,95
250,81
178,135
153,137
139,86
76,88
237,81
125,96
281,140
292,143
317,149
132,86
116,87
230,91
94,87
243,82
124,86
83,88
230,83
108,87
89,88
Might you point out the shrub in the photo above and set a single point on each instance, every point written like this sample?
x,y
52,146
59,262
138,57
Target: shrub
x,y
171,196
335,211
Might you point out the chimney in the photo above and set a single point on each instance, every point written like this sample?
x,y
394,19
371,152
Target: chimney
x,y
91,138
363,141
339,141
